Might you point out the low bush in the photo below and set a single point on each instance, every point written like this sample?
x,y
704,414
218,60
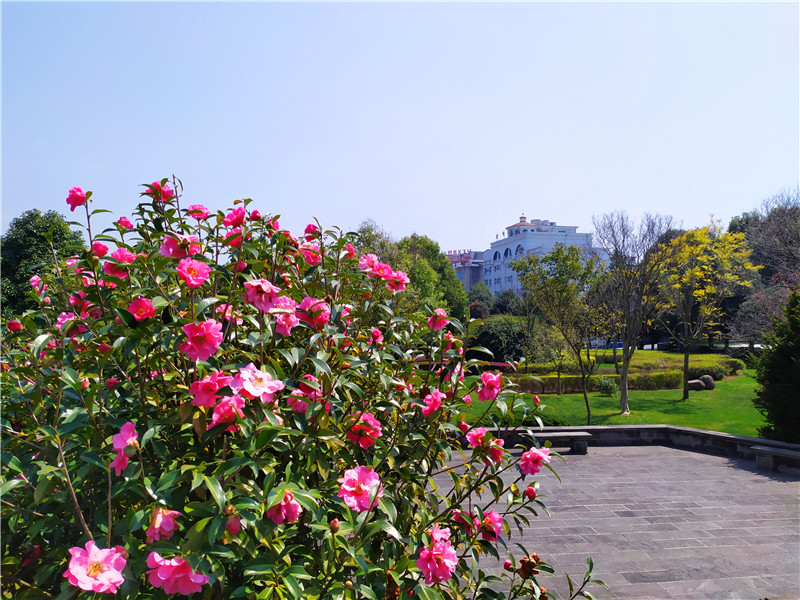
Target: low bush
x,y
607,386
571,384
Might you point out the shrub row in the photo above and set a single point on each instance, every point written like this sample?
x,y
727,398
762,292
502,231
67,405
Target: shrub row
x,y
571,384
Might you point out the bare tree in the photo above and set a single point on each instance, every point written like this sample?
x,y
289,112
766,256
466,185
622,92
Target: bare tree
x,y
634,274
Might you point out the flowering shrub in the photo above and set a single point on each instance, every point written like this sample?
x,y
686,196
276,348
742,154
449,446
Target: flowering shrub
x,y
218,407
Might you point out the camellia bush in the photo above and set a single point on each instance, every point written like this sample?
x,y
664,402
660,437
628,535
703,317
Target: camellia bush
x,y
205,404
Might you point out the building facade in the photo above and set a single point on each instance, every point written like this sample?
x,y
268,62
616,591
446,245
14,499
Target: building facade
x,y
537,236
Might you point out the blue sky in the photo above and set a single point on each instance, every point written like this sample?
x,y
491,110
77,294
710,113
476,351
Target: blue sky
x,y
448,120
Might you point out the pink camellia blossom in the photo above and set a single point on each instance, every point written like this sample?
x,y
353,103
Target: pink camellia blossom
x,y
311,253
433,402
366,262
530,493
240,266
233,238
261,293
437,561
225,311
142,308
467,520
180,246
228,410
174,575
99,249
193,272
398,281
476,436
531,461
311,230
314,311
197,211
349,250
365,431
463,426
438,320
37,285
111,382
127,436
383,271
285,316
492,384
251,382
491,526
255,216
202,339
62,323
286,511
124,223
162,524
123,255
103,347
205,390
235,218
358,485
495,450
297,401
161,194
376,337
76,198
14,326
96,569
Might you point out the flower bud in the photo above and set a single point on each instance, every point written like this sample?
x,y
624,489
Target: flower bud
x,y
348,585
508,566
463,426
530,493
14,326
334,526
536,400
230,510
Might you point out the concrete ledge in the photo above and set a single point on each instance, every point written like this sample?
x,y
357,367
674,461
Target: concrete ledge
x,y
711,442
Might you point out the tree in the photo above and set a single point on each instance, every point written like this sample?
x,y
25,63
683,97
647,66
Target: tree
x,y
779,376
557,284
633,279
25,251
702,268
503,336
480,292
507,302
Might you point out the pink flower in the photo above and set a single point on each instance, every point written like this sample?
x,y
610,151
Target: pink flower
x,y
530,493
161,194
193,272
491,526
467,520
14,326
205,390
287,511
285,316
162,524
311,253
296,401
234,524
398,281
203,339
312,230
76,198
123,255
314,311
253,383
124,223
111,382
383,271
142,308
174,575
476,436
437,562
365,431
234,218
495,450
255,215
358,485
492,384
367,262
349,250
126,437
464,427
376,338
233,237
439,534
180,246
433,402
531,461
37,285
228,410
225,311
96,569
261,293
99,249
438,320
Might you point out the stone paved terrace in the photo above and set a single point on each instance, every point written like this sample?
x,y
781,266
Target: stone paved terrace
x,y
663,523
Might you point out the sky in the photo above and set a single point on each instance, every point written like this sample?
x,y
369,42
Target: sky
x,y
448,120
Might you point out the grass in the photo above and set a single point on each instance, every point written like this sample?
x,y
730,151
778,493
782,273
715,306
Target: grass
x,y
728,408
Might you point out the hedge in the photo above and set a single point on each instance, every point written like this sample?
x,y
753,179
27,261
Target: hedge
x,y
571,384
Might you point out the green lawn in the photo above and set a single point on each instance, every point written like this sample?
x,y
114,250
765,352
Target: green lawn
x,y
727,408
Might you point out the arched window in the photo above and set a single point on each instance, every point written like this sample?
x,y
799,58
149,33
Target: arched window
x,y
507,253
496,255
520,251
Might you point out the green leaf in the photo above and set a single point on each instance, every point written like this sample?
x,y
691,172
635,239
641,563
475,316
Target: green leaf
x,y
205,303
216,490
93,459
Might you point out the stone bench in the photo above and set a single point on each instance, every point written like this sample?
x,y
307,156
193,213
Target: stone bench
x,y
767,457
578,441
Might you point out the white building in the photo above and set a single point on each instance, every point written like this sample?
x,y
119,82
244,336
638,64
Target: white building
x,y
526,237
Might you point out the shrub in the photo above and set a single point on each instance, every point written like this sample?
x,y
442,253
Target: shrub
x,y
571,384
607,386
221,407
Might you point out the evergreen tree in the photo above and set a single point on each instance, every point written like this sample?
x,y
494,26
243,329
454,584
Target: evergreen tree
x,y
779,376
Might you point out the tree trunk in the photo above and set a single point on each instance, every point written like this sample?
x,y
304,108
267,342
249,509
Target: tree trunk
x,y
614,354
586,398
623,384
685,371
559,380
